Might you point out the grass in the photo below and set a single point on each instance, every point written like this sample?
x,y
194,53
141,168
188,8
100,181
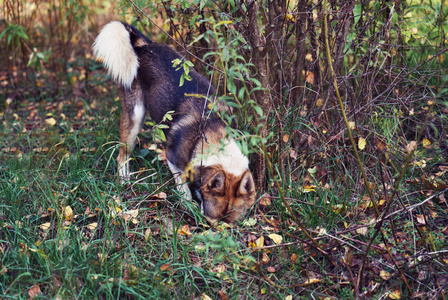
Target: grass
x,y
71,230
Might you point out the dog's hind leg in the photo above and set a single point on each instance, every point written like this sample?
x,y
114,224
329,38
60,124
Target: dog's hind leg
x,y
132,115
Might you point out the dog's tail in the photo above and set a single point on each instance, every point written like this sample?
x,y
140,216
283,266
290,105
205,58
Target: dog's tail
x,y
113,46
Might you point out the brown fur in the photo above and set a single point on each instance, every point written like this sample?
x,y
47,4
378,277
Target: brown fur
x,y
229,197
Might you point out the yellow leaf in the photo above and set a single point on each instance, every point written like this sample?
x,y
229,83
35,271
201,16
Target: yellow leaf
x,y
395,295
92,226
319,102
361,143
50,121
286,138
352,125
265,258
308,188
276,238
68,212
185,230
45,226
426,143
259,242
385,275
311,281
205,297
290,17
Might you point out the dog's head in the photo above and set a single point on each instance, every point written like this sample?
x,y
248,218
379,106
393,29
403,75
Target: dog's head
x,y
223,195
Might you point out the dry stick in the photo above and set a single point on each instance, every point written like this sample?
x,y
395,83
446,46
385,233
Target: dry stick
x,y
341,105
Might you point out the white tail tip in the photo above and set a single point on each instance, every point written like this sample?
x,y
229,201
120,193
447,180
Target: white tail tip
x,y
114,48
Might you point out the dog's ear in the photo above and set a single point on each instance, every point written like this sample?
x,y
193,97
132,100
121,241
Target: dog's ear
x,y
216,183
247,185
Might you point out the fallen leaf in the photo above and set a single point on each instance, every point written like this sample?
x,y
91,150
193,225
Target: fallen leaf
x,y
294,258
385,275
276,238
92,226
319,102
68,213
271,269
421,219
286,138
34,291
45,226
411,147
50,121
259,242
395,295
265,258
165,267
184,230
311,281
266,200
352,125
362,143
223,295
205,297
362,230
426,143
309,77
250,222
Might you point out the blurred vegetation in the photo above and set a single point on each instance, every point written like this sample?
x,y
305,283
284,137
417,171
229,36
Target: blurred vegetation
x,y
370,190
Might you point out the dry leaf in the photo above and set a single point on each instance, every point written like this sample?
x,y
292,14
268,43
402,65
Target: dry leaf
x,y
260,242
265,258
294,258
50,121
223,295
92,226
34,291
45,226
276,238
411,147
286,138
184,230
362,143
309,77
250,222
426,143
421,219
205,297
68,213
362,230
165,267
352,125
271,269
385,275
266,200
395,295
311,281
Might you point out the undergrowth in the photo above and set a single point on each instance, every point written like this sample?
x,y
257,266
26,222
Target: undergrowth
x,y
319,229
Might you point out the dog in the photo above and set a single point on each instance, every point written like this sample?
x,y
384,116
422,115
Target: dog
x,y
207,164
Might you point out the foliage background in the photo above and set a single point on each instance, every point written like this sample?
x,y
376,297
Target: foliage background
x,y
366,225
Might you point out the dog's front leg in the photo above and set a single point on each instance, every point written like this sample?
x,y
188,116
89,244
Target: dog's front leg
x,y
130,124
